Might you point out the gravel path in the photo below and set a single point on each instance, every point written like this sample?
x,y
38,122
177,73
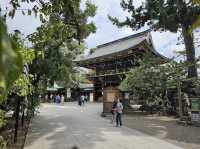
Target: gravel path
x,y
62,127
165,128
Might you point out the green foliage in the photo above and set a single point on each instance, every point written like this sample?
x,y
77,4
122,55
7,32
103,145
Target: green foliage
x,y
16,4
196,1
2,143
161,15
92,50
61,39
64,26
2,118
164,15
10,61
22,86
152,79
195,25
56,43
2,123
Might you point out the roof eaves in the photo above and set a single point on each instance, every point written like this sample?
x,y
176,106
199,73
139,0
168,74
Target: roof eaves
x,y
125,38
116,53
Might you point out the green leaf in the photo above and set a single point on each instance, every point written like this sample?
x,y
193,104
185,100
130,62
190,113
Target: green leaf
x,y
23,12
10,62
29,12
195,25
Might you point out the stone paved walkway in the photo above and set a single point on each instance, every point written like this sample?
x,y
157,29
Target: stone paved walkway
x,y
62,127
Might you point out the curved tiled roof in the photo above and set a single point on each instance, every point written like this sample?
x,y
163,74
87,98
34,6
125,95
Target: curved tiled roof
x,y
120,45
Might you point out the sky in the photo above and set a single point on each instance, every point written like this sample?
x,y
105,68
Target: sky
x,y
165,42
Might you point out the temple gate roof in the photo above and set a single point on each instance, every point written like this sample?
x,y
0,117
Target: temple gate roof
x,y
122,45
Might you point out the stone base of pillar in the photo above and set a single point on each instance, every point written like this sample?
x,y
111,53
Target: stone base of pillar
x,y
107,106
109,95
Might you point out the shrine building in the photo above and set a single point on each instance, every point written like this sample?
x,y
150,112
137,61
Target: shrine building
x,y
112,60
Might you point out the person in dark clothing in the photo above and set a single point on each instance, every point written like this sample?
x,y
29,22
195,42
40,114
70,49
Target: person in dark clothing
x,y
58,99
79,101
113,111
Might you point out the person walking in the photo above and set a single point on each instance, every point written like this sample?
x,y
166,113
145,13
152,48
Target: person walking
x,y
46,98
79,101
82,99
113,111
58,99
119,109
62,99
51,98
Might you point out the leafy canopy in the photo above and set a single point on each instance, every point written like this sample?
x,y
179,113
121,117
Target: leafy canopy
x,y
61,38
11,64
152,79
22,86
171,15
159,14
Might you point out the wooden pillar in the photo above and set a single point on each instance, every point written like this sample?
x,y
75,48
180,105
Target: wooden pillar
x,y
91,96
109,95
97,93
95,97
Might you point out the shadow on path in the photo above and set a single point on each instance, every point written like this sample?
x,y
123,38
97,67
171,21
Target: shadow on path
x,y
64,127
166,128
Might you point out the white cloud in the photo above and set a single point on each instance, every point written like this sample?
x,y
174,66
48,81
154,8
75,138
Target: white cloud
x,y
26,24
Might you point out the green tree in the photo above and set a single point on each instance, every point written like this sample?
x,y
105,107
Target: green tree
x,y
64,24
196,24
20,81
22,86
60,38
56,43
171,15
153,79
92,50
11,64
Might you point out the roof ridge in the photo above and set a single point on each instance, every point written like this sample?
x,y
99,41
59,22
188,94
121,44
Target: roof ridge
x,y
124,38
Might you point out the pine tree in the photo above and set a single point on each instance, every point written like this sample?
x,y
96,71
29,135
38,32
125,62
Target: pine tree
x,y
171,15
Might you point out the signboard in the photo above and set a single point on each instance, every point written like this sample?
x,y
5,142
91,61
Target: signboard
x,y
195,108
195,117
195,104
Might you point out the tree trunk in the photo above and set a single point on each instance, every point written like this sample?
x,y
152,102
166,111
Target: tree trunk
x,y
22,119
22,108
17,110
190,51
179,98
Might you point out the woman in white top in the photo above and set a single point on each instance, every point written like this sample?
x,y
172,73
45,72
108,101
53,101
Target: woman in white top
x,y
119,109
62,99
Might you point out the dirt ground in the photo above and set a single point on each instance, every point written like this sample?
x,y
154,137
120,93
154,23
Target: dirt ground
x,y
8,134
165,128
21,137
